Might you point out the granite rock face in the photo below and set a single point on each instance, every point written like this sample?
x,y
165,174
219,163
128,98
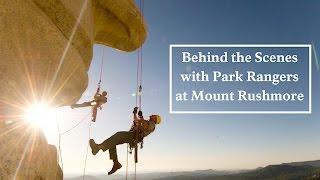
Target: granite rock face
x,y
45,52
25,154
46,45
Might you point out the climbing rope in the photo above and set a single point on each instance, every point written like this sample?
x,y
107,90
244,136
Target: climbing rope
x,y
62,134
85,161
59,141
84,5
127,165
135,171
98,90
137,81
138,91
76,125
140,65
101,69
141,55
138,104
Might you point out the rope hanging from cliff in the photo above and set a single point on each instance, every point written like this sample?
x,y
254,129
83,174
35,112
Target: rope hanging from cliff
x,y
138,91
85,161
60,135
76,125
98,91
59,141
139,65
101,71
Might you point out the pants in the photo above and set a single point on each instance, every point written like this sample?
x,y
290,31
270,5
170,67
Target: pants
x,y
85,104
94,113
94,109
118,138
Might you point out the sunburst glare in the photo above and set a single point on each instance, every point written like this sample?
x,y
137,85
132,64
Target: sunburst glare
x,y
40,115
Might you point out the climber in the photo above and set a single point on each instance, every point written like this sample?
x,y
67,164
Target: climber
x,y
140,129
97,102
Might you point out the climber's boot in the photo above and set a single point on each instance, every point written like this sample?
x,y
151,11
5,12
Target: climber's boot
x,y
116,166
95,148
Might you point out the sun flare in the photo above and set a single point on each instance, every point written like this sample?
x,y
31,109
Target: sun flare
x,y
40,115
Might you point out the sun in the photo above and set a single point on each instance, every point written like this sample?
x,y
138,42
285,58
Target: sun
x,y
40,115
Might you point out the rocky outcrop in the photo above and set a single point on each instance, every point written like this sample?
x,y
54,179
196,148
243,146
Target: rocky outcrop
x,y
45,52
46,46
25,154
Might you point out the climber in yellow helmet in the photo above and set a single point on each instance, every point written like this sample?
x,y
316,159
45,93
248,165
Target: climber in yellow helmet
x,y
140,129
97,102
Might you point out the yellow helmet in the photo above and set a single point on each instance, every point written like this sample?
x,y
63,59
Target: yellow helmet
x,y
156,118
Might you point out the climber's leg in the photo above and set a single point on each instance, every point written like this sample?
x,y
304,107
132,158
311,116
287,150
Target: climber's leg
x,y
85,104
111,143
113,154
114,157
94,113
95,148
116,139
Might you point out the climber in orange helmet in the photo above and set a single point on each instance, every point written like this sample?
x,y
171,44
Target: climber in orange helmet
x,y
140,129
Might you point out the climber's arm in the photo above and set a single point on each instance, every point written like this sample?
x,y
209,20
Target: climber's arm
x,y
135,111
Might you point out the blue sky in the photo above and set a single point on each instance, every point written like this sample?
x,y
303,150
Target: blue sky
x,y
188,142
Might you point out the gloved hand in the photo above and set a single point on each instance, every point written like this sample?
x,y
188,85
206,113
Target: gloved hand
x,y
140,114
135,110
